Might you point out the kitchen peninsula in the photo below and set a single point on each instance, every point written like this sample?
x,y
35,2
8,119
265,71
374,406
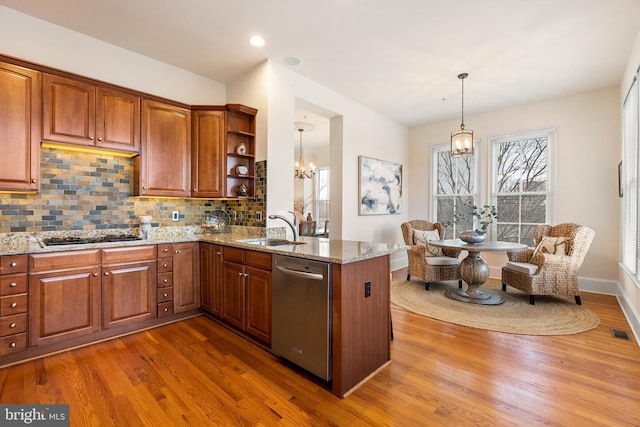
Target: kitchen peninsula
x,y
360,316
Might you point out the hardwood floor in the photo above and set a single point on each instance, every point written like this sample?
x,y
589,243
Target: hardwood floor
x,y
196,372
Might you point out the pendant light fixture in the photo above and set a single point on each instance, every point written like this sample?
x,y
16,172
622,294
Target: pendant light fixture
x,y
301,171
462,140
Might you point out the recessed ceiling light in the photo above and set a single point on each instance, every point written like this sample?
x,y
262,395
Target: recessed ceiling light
x,y
292,61
256,41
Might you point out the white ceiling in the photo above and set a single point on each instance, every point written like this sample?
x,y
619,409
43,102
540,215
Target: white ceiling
x,y
400,58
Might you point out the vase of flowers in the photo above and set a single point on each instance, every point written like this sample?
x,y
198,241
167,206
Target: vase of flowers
x,y
483,217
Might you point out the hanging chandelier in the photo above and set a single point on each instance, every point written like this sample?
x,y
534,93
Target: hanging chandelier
x,y
301,171
462,140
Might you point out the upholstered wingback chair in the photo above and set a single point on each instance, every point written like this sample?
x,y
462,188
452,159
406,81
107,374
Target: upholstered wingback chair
x,y
426,262
552,267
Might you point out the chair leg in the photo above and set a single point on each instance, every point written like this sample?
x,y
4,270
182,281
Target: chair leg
x,y
408,277
578,301
460,284
532,299
426,286
504,287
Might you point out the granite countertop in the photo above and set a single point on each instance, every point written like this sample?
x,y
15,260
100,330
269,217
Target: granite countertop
x,y
316,248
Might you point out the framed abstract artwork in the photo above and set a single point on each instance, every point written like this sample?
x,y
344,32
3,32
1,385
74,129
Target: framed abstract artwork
x,y
380,187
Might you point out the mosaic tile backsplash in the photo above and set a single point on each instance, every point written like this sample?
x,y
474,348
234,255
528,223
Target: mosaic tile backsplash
x,y
87,191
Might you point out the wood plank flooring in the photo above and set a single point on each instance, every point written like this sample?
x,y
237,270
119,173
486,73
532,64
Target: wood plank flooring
x,y
196,372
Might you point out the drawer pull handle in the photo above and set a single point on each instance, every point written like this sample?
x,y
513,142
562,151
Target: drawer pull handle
x,y
14,304
12,345
165,265
13,325
166,309
13,284
14,264
166,250
166,280
165,295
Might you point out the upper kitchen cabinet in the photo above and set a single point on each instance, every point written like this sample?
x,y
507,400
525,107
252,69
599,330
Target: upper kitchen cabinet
x,y
164,167
240,149
208,152
19,128
76,112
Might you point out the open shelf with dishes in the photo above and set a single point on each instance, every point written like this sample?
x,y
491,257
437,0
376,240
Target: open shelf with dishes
x,y
240,151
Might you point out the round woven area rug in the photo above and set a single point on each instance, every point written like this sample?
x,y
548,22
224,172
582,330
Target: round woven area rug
x,y
550,315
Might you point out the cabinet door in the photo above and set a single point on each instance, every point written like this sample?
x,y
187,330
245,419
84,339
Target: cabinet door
x,y
186,277
64,304
117,120
164,167
128,293
211,277
233,295
20,128
208,156
258,304
69,110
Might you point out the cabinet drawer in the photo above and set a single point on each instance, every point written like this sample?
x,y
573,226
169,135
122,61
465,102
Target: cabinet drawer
x,y
233,254
165,265
13,264
62,260
13,284
11,325
165,309
164,280
13,343
13,304
165,295
165,250
128,254
259,259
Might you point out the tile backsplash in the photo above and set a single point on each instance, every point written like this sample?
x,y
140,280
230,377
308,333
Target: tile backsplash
x,y
88,191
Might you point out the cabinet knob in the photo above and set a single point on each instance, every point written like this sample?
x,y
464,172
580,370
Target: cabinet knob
x,y
166,250
240,274
13,325
95,274
99,139
166,280
246,274
178,251
166,309
106,273
165,295
165,265
14,264
90,138
218,253
195,190
12,345
144,188
34,181
14,304
13,284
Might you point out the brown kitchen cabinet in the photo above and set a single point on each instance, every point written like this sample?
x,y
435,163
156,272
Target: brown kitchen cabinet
x,y
211,277
164,282
246,292
13,304
64,295
78,112
20,135
186,277
207,152
164,165
128,285
240,148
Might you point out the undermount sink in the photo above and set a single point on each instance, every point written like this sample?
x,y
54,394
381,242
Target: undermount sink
x,y
270,242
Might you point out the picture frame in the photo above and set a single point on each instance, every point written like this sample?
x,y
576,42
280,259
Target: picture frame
x,y
620,190
380,187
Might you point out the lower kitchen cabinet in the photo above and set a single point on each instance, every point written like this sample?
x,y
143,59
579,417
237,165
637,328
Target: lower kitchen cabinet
x,y
128,285
186,277
13,304
64,295
246,292
210,277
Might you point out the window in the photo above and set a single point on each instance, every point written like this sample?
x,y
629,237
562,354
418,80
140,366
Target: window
x,y
629,181
322,195
521,183
455,188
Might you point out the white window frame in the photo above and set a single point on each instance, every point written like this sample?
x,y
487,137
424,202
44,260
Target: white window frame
x,y
494,141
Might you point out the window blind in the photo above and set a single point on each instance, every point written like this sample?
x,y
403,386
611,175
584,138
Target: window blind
x,y
630,177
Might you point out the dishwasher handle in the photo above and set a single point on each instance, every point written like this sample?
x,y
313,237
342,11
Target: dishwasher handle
x,y
301,274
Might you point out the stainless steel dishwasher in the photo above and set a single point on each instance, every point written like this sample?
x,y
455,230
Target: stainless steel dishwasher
x,y
301,313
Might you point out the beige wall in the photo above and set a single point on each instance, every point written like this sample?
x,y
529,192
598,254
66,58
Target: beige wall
x,y
588,152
